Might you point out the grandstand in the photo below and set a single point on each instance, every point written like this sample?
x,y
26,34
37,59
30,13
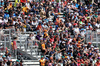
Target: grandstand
x,y
61,28
32,54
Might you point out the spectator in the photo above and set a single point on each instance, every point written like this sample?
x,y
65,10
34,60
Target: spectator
x,y
17,63
15,46
42,61
9,60
61,28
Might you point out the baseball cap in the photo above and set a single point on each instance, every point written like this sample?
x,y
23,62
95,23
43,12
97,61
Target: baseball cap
x,y
41,56
63,57
66,57
17,61
3,56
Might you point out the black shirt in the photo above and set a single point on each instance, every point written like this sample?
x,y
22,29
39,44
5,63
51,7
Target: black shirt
x,y
96,1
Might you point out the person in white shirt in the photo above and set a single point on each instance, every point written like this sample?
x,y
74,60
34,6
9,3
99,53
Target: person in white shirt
x,y
58,55
76,30
9,59
28,4
6,20
44,25
82,33
33,37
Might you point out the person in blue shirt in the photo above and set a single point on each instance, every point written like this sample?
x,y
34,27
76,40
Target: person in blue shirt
x,y
6,15
1,3
77,5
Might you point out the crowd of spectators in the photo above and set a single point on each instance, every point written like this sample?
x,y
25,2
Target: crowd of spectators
x,y
6,60
62,38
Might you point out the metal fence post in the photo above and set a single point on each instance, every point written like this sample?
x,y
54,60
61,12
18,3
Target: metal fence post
x,y
26,45
96,40
0,37
86,37
9,40
20,41
5,44
91,36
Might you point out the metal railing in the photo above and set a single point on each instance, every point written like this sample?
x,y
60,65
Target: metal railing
x,y
5,39
93,37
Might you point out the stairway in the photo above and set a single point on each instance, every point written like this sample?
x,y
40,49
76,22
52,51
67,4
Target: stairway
x,y
28,62
21,44
32,50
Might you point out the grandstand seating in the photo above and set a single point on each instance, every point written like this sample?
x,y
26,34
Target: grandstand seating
x,y
32,50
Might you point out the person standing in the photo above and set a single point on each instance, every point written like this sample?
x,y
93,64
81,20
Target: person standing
x,y
15,46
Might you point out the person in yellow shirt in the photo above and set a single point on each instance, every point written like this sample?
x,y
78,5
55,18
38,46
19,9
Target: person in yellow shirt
x,y
42,61
10,6
44,51
25,9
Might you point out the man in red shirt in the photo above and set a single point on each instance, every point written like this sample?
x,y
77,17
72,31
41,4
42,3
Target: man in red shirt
x,y
23,2
15,46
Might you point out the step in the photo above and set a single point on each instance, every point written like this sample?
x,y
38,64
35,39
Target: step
x,y
38,56
31,63
23,50
60,16
21,47
29,53
28,50
2,53
21,38
33,53
26,60
30,60
96,42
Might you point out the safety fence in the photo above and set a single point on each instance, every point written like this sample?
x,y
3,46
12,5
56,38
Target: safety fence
x,y
93,37
7,38
31,46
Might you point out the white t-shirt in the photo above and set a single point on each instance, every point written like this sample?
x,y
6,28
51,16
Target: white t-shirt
x,y
44,26
33,37
98,25
35,23
14,22
58,55
76,30
5,20
28,5
1,21
83,34
9,58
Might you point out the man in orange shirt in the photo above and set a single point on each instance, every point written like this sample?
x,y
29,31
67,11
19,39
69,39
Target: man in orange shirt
x,y
43,48
42,61
57,20
39,26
